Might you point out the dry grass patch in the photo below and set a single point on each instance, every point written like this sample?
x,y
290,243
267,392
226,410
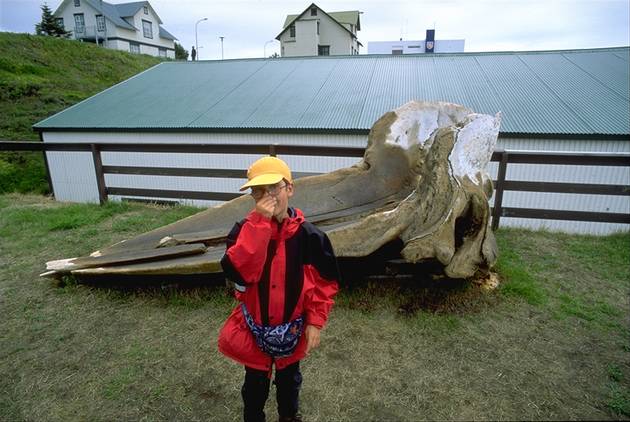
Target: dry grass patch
x,y
550,343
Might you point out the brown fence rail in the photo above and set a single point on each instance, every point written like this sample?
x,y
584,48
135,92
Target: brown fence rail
x,y
579,158
504,158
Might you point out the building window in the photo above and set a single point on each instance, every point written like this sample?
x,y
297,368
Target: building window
x,y
162,52
317,27
77,3
292,31
79,23
100,23
134,48
323,50
146,10
397,52
313,11
147,29
59,22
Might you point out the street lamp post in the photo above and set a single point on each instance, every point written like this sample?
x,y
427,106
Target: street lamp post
x,y
221,47
265,48
196,43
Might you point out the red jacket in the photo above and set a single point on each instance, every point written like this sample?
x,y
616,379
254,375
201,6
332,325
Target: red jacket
x,y
281,271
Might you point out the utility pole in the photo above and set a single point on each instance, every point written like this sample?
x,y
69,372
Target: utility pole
x,y
196,43
221,47
265,49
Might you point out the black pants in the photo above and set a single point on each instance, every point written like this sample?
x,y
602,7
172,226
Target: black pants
x,y
256,390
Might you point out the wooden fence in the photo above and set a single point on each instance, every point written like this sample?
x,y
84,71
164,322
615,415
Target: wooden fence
x,y
501,184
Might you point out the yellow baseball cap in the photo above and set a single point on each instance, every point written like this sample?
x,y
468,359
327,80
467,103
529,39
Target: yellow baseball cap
x,y
267,171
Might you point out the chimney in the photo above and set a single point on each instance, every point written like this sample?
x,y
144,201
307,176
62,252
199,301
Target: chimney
x,y
429,42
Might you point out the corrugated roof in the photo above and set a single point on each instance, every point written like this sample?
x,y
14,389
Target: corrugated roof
x,y
553,92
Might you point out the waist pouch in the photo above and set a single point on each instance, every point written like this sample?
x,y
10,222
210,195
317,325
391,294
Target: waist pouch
x,y
275,340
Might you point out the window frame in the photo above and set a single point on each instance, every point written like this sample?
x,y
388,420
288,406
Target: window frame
x,y
77,3
313,11
292,31
321,49
134,46
100,23
146,9
162,52
79,28
144,29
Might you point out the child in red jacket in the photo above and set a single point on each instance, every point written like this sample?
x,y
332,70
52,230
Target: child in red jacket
x,y
285,275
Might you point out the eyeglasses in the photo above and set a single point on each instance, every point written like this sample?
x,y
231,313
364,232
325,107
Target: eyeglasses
x,y
273,190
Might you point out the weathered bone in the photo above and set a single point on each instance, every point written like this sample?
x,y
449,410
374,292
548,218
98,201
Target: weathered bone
x,y
422,180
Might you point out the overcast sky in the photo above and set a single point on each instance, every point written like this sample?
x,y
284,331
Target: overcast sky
x,y
486,25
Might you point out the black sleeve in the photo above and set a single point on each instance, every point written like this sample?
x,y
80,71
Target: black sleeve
x,y
228,268
320,252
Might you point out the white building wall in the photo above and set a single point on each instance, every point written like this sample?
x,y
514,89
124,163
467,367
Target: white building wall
x,y
306,37
415,47
89,17
332,34
73,175
306,40
74,180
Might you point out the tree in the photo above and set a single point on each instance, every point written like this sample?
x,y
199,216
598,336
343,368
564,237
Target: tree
x,y
49,24
180,52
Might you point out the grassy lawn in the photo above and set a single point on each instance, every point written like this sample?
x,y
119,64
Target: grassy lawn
x,y
552,342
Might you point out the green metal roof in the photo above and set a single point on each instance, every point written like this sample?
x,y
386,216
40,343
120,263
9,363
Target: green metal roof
x,y
350,17
572,92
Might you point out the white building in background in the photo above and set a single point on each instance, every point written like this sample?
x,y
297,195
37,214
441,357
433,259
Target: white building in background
x,y
317,33
428,45
133,27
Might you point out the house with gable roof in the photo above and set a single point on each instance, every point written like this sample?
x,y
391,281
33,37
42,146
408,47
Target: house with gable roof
x,y
317,33
133,27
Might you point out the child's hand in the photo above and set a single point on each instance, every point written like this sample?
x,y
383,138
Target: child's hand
x,y
312,337
266,205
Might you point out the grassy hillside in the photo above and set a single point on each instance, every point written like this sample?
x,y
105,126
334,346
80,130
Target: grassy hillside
x,y
40,76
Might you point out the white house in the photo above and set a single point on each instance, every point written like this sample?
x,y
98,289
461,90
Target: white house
x,y
133,27
428,45
317,33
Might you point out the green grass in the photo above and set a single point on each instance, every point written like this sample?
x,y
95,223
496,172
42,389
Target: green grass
x,y
41,76
551,342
